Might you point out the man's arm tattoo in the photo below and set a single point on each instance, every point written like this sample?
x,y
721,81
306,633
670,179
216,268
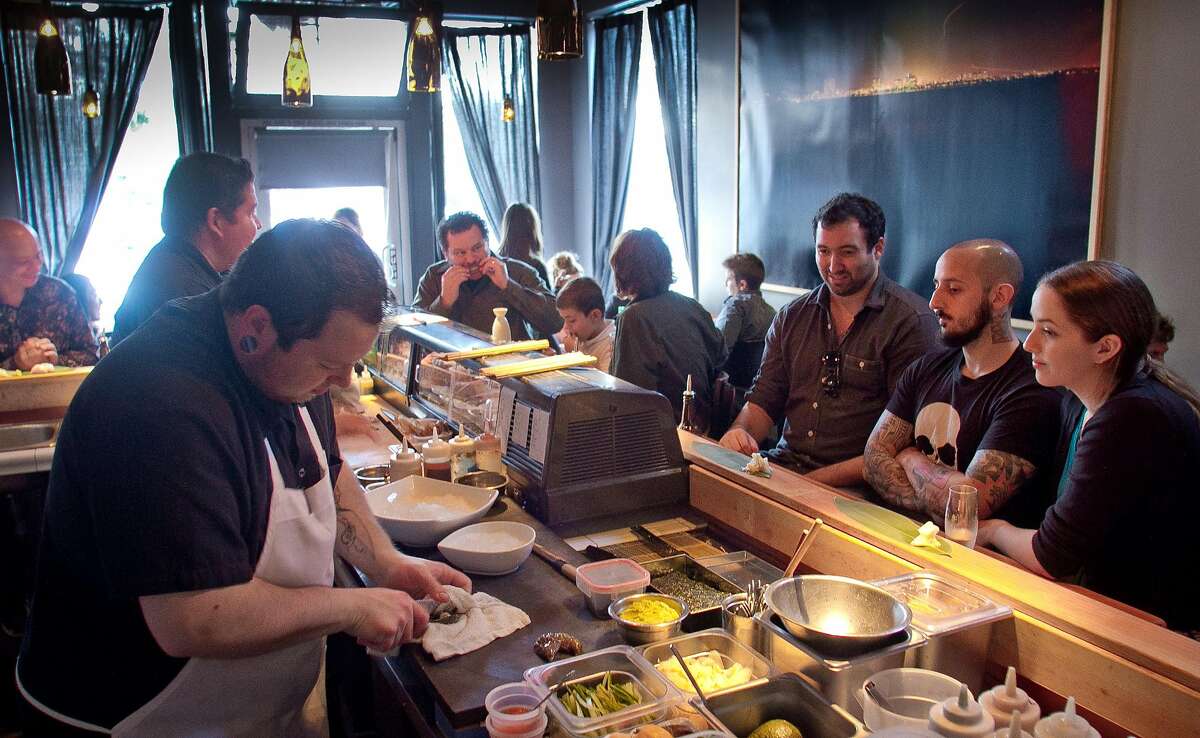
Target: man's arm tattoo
x,y
999,476
880,468
349,523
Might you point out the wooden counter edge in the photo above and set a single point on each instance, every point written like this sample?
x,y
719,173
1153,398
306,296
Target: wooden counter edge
x,y
1155,648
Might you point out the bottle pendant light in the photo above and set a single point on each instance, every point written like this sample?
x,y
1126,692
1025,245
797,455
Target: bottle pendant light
x,y
51,65
91,104
297,85
425,53
559,30
508,114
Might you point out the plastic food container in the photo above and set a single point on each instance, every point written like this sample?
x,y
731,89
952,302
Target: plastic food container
x,y
713,639
658,694
514,709
957,624
602,582
536,731
913,692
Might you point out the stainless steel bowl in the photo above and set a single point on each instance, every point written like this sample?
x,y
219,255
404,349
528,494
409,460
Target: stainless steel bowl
x,y
639,633
484,480
372,474
837,615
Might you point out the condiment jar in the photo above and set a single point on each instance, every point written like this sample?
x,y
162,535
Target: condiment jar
x,y
960,717
462,454
501,333
405,463
487,445
1014,728
436,457
1003,700
1065,724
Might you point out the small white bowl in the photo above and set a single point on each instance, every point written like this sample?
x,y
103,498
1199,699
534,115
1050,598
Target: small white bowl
x,y
418,511
491,549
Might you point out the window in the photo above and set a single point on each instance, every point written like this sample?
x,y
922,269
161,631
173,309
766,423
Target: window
x,y
650,201
127,223
361,57
320,202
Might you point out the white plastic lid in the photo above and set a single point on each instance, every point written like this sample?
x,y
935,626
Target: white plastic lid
x,y
939,606
613,575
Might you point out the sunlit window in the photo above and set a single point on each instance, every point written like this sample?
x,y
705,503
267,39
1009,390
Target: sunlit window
x,y
320,202
650,202
127,223
346,56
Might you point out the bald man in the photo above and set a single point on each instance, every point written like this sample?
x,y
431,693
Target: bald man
x,y
972,413
41,319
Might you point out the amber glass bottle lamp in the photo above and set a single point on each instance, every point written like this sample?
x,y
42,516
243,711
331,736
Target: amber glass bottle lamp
x,y
425,53
297,84
91,104
508,114
51,65
559,29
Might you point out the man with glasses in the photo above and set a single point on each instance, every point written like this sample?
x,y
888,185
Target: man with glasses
x,y
834,356
973,413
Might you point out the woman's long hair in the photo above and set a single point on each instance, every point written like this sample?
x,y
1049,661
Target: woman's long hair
x,y
520,233
1104,297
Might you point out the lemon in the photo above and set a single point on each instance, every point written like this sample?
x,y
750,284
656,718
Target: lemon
x,y
776,729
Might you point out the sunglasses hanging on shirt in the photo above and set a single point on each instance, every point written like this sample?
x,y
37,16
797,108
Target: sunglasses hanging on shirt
x,y
831,373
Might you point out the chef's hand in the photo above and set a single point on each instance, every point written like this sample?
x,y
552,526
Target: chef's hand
x,y
452,279
34,350
385,618
495,270
421,578
739,440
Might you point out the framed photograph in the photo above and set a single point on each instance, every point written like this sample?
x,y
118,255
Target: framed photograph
x,y
962,119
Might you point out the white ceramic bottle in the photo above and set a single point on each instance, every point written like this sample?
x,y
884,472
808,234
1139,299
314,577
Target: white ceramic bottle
x,y
501,333
960,717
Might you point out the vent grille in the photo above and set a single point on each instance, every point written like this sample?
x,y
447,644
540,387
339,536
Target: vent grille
x,y
617,446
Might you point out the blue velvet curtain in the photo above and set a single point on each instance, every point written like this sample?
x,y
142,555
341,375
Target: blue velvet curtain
x,y
63,159
617,46
482,68
673,41
189,76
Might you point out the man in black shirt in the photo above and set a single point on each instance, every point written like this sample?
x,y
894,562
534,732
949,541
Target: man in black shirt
x,y
197,500
974,413
208,220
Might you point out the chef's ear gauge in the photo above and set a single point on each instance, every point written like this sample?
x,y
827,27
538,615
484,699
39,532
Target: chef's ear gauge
x,y
248,344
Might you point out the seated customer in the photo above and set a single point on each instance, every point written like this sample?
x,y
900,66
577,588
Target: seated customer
x,y
521,238
471,281
563,268
833,356
663,336
1123,521
89,299
1164,333
744,318
581,305
973,413
41,319
209,217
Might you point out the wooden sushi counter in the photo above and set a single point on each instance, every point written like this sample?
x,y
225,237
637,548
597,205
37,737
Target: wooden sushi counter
x,y
1134,674
1137,677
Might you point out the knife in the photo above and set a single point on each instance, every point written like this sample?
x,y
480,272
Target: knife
x,y
557,562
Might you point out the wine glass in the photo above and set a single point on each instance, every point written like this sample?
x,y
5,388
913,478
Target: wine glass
x,y
962,514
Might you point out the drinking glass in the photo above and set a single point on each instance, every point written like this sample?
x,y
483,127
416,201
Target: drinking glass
x,y
962,514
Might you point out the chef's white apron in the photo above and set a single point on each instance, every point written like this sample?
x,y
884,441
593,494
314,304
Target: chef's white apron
x,y
255,695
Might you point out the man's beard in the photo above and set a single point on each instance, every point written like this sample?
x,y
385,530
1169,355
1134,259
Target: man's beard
x,y
983,316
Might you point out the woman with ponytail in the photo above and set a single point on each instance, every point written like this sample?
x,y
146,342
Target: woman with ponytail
x,y
1122,524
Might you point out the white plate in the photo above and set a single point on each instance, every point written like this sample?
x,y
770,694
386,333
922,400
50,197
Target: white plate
x,y
418,511
491,549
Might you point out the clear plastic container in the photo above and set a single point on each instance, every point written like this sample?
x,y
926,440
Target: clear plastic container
x,y
603,582
536,731
713,639
515,708
657,693
912,692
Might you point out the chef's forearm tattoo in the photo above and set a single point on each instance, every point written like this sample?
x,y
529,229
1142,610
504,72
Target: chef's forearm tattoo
x,y
998,476
880,468
349,525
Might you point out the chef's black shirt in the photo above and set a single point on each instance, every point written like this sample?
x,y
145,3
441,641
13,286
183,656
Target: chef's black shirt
x,y
160,484
174,268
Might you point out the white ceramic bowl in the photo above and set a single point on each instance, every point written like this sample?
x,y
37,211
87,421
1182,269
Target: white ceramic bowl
x,y
418,511
492,548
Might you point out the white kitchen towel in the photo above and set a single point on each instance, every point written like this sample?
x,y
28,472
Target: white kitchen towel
x,y
486,619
